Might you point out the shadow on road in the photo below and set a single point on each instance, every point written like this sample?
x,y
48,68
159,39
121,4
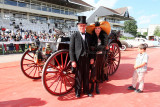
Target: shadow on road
x,y
71,96
24,102
150,87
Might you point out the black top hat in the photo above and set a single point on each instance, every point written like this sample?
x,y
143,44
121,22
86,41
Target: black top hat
x,y
97,24
81,20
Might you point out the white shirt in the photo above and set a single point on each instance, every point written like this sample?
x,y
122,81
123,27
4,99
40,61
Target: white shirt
x,y
83,36
142,58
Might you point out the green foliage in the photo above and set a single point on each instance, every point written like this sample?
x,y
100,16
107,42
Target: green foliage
x,y
145,33
138,33
130,27
157,31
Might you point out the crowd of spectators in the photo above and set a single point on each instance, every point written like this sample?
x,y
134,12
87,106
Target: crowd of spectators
x,y
26,36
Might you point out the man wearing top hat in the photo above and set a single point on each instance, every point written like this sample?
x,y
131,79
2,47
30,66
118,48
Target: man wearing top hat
x,y
79,51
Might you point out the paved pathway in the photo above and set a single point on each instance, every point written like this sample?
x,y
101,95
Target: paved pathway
x,y
10,57
16,90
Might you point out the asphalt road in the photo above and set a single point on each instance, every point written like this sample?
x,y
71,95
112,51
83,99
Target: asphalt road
x,y
16,90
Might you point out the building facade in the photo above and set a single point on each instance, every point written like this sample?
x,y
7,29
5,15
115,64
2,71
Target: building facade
x,y
152,28
41,15
142,30
115,17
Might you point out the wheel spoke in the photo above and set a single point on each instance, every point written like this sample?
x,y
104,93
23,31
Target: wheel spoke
x,y
58,63
116,61
65,84
57,83
29,64
115,64
35,71
57,77
61,84
54,67
66,60
51,77
29,55
69,82
53,81
116,54
32,70
70,77
68,65
28,68
29,60
62,60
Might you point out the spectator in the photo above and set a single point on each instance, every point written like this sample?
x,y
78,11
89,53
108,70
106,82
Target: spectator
x,y
23,45
11,46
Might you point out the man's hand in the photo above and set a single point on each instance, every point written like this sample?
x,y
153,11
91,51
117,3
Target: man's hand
x,y
91,61
74,65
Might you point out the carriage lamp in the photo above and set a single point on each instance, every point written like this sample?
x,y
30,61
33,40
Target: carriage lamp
x,y
33,47
38,57
46,50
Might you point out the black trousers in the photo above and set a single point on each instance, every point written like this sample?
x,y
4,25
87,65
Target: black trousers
x,y
82,75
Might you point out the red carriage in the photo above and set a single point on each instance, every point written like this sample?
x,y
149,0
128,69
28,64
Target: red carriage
x,y
53,65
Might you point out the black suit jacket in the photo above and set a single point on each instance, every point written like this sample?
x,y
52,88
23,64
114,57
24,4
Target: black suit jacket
x,y
76,43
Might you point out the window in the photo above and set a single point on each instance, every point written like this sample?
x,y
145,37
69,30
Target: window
x,y
62,12
18,15
71,12
126,14
51,20
43,19
23,4
36,5
49,9
1,1
11,2
56,10
24,16
44,8
66,12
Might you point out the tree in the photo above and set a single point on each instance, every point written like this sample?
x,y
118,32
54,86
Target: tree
x,y
130,27
157,31
138,33
145,33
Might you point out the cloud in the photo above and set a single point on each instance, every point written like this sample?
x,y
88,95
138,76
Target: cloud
x,y
105,3
146,19
130,8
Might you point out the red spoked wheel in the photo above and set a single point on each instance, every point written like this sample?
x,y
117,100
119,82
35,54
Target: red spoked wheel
x,y
113,58
29,67
57,76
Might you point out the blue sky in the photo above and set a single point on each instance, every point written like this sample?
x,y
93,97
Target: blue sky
x,y
145,12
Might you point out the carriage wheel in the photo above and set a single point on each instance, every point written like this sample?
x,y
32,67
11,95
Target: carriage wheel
x,y
57,76
113,58
29,67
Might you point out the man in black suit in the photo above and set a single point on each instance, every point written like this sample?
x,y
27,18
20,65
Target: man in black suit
x,y
79,56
